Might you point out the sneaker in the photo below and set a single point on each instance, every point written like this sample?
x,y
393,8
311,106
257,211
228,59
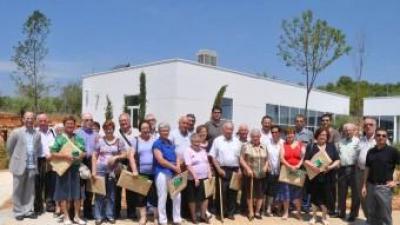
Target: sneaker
x,y
67,222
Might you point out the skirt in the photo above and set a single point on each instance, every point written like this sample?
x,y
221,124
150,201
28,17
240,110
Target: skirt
x,y
288,192
193,193
320,193
151,198
258,187
68,185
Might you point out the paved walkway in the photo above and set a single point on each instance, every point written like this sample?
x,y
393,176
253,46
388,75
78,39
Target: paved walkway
x,y
6,217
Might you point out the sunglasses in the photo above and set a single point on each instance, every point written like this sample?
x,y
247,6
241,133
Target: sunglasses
x,y
381,135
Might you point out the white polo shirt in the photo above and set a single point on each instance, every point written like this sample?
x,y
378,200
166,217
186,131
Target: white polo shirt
x,y
181,142
226,152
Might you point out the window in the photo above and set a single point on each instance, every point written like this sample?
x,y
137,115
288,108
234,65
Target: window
x,y
273,112
292,114
312,118
227,108
132,108
387,122
284,115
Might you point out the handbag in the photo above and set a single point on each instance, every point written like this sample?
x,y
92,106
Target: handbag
x,y
84,172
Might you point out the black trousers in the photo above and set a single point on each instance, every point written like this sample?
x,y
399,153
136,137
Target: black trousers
x,y
39,185
87,203
346,179
333,192
50,185
229,196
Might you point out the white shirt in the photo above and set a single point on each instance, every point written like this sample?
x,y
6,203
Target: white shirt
x,y
365,145
47,140
349,150
226,152
265,138
274,153
181,142
131,137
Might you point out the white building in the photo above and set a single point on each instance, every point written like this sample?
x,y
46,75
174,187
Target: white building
x,y
387,112
176,87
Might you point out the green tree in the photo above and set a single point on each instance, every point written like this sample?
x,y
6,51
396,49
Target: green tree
x,y
71,97
142,96
310,46
29,55
220,96
109,110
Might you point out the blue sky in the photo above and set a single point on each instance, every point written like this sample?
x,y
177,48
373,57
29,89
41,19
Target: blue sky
x,y
91,36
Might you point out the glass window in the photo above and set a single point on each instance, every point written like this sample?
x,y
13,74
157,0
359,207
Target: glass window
x,y
132,100
283,115
273,112
387,122
292,114
227,108
312,118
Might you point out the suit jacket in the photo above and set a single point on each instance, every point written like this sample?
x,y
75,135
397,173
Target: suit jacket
x,y
17,150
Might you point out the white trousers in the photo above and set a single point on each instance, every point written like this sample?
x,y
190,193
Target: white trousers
x,y
162,192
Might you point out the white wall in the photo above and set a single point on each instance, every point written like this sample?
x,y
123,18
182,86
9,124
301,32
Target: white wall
x,y
178,87
382,106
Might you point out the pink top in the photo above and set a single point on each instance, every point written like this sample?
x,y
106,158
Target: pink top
x,y
198,160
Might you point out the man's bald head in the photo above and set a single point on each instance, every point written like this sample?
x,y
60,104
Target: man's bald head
x,y
227,129
42,121
183,124
87,120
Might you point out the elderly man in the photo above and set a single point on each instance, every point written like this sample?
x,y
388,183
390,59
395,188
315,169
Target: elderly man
x,y
378,179
274,147
192,123
366,143
225,153
153,124
23,147
214,126
243,133
180,137
349,149
266,124
46,179
128,134
87,133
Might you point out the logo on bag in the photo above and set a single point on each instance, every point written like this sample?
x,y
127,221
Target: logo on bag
x,y
178,181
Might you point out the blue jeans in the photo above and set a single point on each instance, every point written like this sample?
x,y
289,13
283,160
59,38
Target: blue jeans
x,y
104,205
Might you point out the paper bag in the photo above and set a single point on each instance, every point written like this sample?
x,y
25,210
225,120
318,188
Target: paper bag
x,y
177,184
320,160
59,165
296,178
138,184
209,187
236,182
97,185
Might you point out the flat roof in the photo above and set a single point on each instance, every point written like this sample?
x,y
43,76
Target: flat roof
x,y
210,67
382,97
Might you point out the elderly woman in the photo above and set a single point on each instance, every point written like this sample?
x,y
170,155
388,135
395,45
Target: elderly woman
x,y
196,160
292,155
108,151
320,185
141,162
68,185
202,131
253,159
166,165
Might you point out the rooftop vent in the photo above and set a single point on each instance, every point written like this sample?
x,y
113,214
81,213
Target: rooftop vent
x,y
207,57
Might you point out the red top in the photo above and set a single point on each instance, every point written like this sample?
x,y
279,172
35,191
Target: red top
x,y
292,155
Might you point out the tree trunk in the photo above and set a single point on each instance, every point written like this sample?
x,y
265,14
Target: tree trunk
x,y
306,107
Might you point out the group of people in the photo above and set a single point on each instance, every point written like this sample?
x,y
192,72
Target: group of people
x,y
361,160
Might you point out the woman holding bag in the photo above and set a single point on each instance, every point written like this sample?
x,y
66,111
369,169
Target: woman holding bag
x,y
141,162
68,185
108,151
253,159
320,185
196,160
292,155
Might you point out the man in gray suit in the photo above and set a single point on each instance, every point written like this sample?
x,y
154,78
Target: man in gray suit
x,y
23,148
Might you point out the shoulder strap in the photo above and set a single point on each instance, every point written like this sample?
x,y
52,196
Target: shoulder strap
x,y
136,156
125,138
72,143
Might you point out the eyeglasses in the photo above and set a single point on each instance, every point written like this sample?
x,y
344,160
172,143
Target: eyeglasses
x,y
381,135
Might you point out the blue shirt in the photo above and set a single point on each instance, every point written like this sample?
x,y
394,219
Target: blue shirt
x,y
144,150
89,137
168,152
30,163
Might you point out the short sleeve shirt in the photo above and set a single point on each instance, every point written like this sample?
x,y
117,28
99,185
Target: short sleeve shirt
x,y
381,164
144,152
105,150
167,150
181,142
256,158
332,153
198,160
61,140
226,151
